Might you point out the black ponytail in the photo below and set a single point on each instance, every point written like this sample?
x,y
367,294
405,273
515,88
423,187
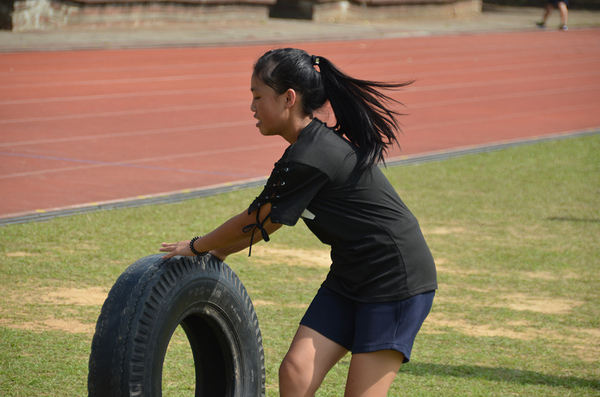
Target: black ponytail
x,y
362,113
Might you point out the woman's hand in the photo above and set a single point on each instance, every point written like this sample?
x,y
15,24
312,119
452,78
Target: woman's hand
x,y
178,248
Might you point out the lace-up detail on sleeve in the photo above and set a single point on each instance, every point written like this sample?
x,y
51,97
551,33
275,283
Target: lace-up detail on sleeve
x,y
269,194
258,225
290,189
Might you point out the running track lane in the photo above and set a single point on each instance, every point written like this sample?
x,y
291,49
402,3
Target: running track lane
x,y
91,126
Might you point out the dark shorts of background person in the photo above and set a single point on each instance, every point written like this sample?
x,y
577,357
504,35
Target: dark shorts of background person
x,y
368,327
555,2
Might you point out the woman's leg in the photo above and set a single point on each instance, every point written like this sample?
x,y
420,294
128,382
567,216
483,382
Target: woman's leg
x,y
372,374
306,364
549,7
564,13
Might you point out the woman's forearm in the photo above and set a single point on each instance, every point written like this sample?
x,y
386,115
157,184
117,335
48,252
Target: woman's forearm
x,y
223,253
232,234
230,237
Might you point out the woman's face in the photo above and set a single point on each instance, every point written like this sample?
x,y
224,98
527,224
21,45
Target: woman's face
x,y
268,107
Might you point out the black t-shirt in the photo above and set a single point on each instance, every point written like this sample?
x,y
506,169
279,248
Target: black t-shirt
x,y
377,247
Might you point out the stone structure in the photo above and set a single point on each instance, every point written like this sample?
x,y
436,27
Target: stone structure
x,y
335,10
56,14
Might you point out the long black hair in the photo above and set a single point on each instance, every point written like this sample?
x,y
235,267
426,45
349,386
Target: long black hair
x,y
362,112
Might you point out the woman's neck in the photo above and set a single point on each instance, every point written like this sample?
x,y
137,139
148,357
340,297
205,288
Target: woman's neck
x,y
297,125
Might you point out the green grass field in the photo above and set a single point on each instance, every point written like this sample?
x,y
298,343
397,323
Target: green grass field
x,y
516,238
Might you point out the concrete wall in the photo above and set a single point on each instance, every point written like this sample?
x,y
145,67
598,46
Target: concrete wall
x,y
341,10
54,14
31,15
344,10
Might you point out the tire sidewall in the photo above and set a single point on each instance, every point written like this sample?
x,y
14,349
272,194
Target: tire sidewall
x,y
165,294
210,296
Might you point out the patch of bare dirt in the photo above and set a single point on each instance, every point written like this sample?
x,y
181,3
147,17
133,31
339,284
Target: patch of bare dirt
x,y
268,254
260,302
51,324
443,265
444,230
18,254
437,320
582,342
541,275
546,305
93,296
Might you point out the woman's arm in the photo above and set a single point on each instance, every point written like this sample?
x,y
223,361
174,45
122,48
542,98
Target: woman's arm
x,y
223,253
227,238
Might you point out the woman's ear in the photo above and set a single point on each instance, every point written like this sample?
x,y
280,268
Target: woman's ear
x,y
290,98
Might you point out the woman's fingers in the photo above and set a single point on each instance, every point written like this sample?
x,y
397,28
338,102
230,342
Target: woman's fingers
x,y
170,248
167,247
169,255
179,248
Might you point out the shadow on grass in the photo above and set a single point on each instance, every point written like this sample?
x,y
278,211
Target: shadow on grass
x,y
499,375
570,219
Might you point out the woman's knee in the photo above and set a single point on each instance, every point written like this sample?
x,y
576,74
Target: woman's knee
x,y
308,361
289,368
295,378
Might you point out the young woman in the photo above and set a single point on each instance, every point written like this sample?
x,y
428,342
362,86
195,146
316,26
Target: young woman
x,y
381,284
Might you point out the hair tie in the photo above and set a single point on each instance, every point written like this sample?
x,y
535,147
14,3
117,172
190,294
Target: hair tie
x,y
315,59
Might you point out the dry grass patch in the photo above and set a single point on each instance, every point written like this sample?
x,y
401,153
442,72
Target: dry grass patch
x,y
93,296
443,265
52,324
48,298
582,342
18,254
261,302
545,305
441,230
273,254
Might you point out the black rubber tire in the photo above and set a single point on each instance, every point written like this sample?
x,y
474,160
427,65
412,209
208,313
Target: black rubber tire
x,y
143,309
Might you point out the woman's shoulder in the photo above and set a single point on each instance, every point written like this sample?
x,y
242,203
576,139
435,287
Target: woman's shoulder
x,y
317,139
323,148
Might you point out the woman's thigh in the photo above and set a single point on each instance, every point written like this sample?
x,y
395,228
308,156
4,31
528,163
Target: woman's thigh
x,y
309,359
372,374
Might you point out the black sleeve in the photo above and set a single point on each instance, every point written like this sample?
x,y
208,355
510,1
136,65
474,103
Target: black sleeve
x,y
290,189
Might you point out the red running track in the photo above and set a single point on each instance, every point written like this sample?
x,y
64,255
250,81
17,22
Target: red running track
x,y
84,127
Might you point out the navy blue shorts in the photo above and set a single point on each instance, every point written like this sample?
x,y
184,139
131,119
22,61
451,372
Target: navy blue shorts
x,y
555,2
368,327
